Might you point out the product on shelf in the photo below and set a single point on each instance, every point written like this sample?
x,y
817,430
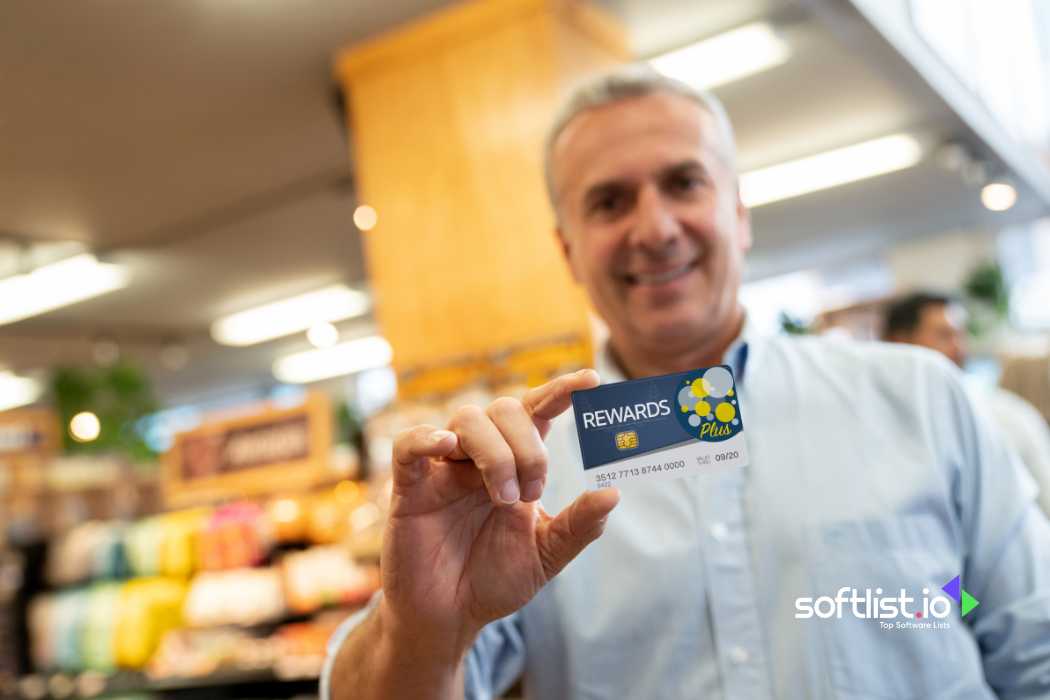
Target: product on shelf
x,y
234,536
142,544
195,653
322,576
84,552
178,542
236,597
289,517
148,609
104,626
293,651
97,647
301,647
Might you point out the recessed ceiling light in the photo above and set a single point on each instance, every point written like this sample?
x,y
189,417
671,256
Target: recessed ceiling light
x,y
725,57
346,358
365,217
85,427
829,169
289,316
17,391
323,335
56,285
998,196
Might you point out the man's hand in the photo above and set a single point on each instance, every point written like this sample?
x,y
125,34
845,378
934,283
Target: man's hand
x,y
467,542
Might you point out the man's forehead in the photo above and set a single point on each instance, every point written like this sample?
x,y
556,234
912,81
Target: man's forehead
x,y
633,131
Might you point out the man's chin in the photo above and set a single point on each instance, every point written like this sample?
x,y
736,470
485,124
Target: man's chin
x,y
669,334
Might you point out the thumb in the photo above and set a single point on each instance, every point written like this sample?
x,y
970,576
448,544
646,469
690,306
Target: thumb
x,y
560,539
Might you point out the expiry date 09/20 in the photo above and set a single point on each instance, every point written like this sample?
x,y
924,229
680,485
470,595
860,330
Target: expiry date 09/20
x,y
612,476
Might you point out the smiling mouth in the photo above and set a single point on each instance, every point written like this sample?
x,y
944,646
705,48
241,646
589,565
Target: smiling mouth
x,y
655,278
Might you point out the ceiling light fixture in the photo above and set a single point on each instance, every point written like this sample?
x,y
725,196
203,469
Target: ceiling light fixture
x,y
17,391
288,316
56,285
346,358
998,196
830,169
726,57
85,427
365,217
323,335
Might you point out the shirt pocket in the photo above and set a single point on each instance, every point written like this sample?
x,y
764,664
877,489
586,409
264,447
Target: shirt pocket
x,y
865,658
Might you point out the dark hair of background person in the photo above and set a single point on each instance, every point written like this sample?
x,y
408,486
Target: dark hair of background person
x,y
902,316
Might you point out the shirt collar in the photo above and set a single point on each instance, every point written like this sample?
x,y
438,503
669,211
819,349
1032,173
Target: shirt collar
x,y
736,356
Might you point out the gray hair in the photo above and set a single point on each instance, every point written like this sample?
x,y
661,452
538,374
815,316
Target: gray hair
x,y
636,80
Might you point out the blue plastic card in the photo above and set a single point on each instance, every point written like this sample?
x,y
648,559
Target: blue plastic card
x,y
660,427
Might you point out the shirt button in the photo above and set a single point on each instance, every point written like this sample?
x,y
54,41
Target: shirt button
x,y
719,531
739,655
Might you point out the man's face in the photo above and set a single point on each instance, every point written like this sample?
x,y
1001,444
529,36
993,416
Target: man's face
x,y
941,328
650,219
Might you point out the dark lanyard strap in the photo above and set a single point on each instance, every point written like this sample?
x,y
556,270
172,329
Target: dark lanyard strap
x,y
741,361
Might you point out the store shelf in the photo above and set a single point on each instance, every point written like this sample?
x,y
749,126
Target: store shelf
x,y
260,683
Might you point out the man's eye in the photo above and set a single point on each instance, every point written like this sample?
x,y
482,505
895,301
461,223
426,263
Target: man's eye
x,y
607,204
684,183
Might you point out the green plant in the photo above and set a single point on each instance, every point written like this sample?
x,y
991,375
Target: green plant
x,y
119,395
987,284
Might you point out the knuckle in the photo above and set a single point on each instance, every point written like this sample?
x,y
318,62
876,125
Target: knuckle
x,y
414,434
504,407
533,461
496,461
466,414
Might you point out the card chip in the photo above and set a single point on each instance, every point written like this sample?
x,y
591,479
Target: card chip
x,y
627,440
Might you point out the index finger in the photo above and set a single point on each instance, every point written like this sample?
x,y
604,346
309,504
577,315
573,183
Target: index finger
x,y
547,401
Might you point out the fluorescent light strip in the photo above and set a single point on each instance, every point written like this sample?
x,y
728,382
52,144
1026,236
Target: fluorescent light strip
x,y
725,57
346,358
17,391
830,169
59,284
288,316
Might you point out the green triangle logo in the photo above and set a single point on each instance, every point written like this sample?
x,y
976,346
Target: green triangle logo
x,y
968,603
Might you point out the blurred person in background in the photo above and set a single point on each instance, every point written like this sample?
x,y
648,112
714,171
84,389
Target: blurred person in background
x,y
938,322
1029,378
868,474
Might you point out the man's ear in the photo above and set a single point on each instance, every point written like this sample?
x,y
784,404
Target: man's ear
x,y
566,250
743,218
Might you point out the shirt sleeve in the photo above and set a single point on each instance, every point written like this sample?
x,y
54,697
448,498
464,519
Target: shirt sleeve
x,y
495,661
1031,437
1006,563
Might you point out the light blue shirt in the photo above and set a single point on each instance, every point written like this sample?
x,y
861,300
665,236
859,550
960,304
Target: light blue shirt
x,y
868,470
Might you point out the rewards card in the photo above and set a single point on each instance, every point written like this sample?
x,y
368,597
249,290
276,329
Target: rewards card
x,y
660,427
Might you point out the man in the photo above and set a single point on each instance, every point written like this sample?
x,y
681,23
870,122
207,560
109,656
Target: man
x,y
937,321
867,471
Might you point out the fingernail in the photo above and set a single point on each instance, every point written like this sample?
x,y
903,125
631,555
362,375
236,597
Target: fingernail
x,y
533,490
509,493
438,435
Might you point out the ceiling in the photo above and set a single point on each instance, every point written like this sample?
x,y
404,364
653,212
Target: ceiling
x,y
201,143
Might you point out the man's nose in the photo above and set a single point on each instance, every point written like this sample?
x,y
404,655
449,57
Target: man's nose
x,y
655,224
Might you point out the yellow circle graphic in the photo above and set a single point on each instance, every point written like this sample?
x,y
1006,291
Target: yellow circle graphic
x,y
698,388
702,408
725,412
